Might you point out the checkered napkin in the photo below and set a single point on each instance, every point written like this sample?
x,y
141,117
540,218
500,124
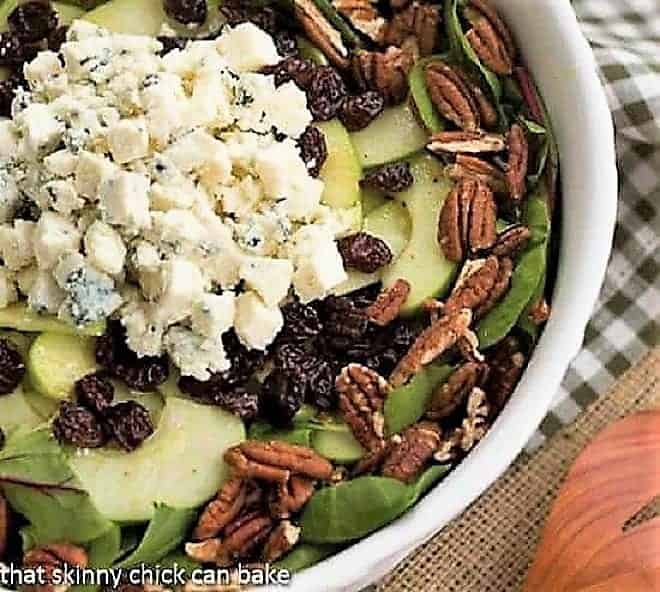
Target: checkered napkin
x,y
625,37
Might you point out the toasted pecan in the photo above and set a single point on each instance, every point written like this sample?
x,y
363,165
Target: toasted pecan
x,y
511,241
280,541
411,450
466,142
388,304
452,97
321,32
490,37
219,512
518,162
449,396
364,16
386,72
288,498
418,22
468,166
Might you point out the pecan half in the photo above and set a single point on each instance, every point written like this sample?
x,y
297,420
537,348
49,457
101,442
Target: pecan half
x,y
490,37
321,32
419,22
481,286
362,394
448,397
506,364
219,512
487,111
473,167
539,312
467,220
276,461
288,498
433,341
518,162
388,304
411,450
208,551
386,72
452,96
280,541
472,429
51,558
511,241
464,141
364,16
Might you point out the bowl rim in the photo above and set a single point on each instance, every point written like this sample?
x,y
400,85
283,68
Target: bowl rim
x,y
369,558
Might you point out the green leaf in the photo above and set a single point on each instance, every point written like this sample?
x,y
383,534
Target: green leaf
x,y
407,404
39,485
179,559
526,277
166,531
102,553
420,94
338,22
355,508
306,555
261,430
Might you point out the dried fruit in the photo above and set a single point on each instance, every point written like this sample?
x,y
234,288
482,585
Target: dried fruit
x,y
386,72
388,304
296,69
289,497
301,322
78,426
285,43
358,111
276,461
511,241
390,178
364,16
238,11
281,540
8,89
12,368
95,392
32,21
219,512
452,97
362,394
326,93
57,38
171,42
480,287
27,210
49,558
313,150
343,321
467,220
448,397
490,37
364,252
14,52
473,167
142,374
411,450
518,162
419,23
186,12
464,141
129,423
320,32
282,395
432,342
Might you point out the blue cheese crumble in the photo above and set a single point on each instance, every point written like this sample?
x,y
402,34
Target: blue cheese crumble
x,y
164,184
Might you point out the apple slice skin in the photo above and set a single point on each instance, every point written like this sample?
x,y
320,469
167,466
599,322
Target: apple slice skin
x,y
131,17
180,465
422,263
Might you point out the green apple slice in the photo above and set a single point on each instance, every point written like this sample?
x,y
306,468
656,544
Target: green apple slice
x,y
16,412
395,134
341,171
21,318
180,465
132,17
422,263
391,223
55,362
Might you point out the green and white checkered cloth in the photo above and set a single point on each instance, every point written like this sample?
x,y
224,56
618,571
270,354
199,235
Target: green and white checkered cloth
x,y
625,37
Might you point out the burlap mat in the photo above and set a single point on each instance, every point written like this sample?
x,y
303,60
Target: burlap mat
x,y
490,547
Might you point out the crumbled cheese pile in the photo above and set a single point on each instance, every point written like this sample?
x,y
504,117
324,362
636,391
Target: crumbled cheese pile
x,y
164,183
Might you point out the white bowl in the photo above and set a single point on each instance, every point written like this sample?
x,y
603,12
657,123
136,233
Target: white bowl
x,y
565,70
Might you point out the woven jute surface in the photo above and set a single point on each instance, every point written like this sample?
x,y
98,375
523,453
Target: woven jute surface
x,y
490,547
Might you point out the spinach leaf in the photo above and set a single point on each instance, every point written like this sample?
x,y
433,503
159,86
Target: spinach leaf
x,y
181,560
338,21
420,94
407,404
166,531
39,484
352,509
526,277
261,430
306,555
101,553
463,52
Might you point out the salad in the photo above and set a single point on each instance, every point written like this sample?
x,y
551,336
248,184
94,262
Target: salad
x,y
269,271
